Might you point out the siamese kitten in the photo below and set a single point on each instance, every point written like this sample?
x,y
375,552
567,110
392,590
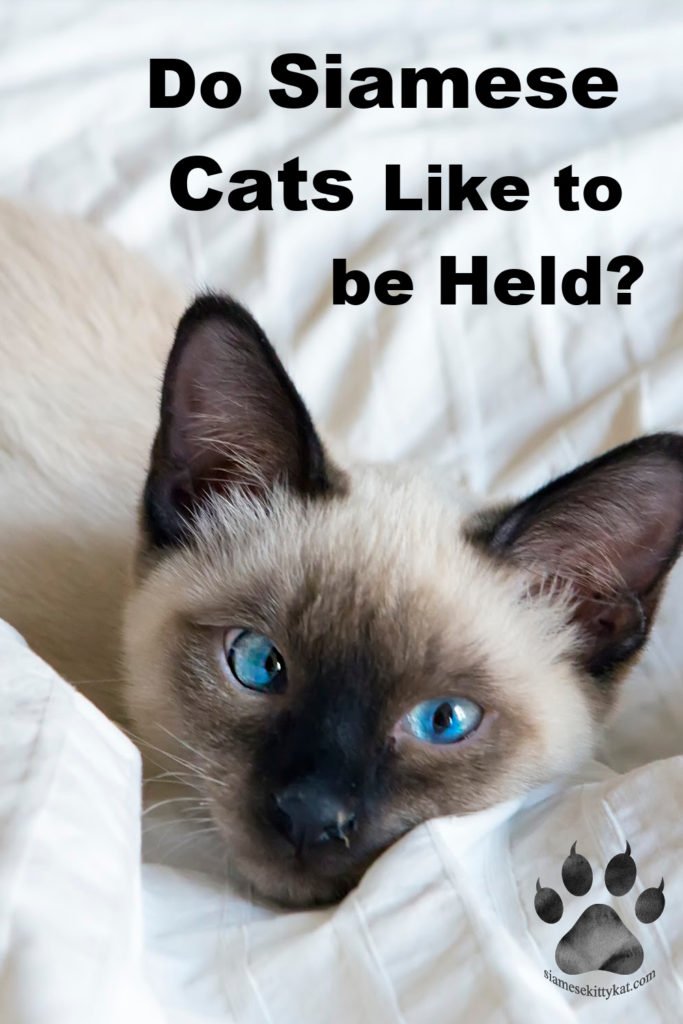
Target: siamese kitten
x,y
336,651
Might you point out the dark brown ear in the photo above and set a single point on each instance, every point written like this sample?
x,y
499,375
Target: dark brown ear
x,y
230,418
610,531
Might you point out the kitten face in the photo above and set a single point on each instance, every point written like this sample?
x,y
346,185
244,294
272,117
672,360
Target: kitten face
x,y
377,594
376,603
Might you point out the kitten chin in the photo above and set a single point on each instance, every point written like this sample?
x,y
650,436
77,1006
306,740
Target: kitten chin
x,y
330,655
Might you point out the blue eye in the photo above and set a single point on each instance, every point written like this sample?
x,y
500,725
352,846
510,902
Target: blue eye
x,y
444,720
255,662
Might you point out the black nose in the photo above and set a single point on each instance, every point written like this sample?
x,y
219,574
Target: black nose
x,y
307,814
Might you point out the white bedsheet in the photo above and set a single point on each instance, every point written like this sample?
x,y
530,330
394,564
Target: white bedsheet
x,y
502,396
442,927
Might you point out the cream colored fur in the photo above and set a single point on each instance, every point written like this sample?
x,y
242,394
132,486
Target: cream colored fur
x,y
398,527
85,328
84,331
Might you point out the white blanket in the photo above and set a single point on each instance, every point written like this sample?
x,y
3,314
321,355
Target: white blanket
x,y
442,927
500,396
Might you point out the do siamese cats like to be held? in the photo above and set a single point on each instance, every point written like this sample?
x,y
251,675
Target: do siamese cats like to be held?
x,y
334,652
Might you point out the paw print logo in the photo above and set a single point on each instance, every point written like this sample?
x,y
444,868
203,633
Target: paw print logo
x,y
599,940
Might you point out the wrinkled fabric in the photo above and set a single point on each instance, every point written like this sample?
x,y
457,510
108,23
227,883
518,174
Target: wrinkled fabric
x,y
441,927
501,396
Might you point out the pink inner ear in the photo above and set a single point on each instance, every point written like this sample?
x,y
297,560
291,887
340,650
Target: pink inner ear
x,y
615,531
609,534
234,422
230,418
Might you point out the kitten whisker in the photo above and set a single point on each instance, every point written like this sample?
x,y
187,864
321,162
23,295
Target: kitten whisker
x,y
185,839
165,753
193,750
196,770
173,823
174,800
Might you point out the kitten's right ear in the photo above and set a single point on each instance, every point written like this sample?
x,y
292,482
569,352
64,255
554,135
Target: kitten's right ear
x,y
230,418
604,536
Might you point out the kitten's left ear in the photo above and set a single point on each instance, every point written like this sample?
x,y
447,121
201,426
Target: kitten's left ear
x,y
230,419
610,531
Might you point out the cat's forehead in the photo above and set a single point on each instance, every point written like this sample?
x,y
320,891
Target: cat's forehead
x,y
389,551
386,566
